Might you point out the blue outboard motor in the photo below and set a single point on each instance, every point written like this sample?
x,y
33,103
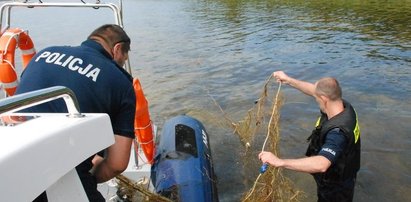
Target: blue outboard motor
x,y
183,168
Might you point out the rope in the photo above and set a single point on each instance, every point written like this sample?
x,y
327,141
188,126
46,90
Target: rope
x,y
139,156
144,127
12,35
265,141
271,118
148,142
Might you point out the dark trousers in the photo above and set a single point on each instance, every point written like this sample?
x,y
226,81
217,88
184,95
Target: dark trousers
x,y
336,192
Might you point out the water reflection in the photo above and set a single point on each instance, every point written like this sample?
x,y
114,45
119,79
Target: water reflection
x,y
383,19
377,31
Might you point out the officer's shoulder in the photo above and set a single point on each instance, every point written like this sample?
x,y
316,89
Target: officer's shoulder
x,y
336,131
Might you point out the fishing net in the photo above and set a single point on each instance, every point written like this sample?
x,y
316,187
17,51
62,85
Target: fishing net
x,y
131,191
261,123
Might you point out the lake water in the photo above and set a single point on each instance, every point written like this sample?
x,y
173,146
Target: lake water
x,y
186,51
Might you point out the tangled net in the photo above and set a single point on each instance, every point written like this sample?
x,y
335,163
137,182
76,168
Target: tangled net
x,y
131,191
271,185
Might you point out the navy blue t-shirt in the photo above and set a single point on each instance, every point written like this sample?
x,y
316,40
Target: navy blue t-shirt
x,y
334,145
100,85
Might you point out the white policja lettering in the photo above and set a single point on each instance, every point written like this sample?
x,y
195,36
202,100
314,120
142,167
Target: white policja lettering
x,y
72,63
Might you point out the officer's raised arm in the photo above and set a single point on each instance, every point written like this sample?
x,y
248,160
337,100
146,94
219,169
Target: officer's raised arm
x,y
305,87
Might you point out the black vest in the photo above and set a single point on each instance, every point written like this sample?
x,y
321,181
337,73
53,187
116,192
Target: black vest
x,y
348,163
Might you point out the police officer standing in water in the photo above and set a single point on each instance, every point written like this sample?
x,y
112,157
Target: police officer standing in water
x,y
333,154
93,71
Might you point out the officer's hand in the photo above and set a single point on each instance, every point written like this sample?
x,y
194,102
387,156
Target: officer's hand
x,y
270,158
280,76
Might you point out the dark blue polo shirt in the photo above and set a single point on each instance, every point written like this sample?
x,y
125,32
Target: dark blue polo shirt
x,y
100,85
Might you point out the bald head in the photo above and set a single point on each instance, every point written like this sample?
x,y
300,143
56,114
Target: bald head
x,y
328,87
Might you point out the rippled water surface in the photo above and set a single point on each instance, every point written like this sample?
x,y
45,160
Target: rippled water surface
x,y
185,51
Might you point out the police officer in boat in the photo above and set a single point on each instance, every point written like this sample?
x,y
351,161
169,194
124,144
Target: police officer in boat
x,y
333,154
93,71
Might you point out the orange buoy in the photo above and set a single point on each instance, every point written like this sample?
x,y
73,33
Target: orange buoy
x,y
9,40
12,119
143,129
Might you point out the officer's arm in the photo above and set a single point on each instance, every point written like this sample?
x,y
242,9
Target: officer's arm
x,y
115,160
313,164
304,86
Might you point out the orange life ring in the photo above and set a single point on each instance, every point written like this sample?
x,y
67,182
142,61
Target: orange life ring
x,y
9,40
12,119
143,129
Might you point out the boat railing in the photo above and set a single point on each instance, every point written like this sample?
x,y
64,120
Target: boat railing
x,y
29,99
5,12
5,9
